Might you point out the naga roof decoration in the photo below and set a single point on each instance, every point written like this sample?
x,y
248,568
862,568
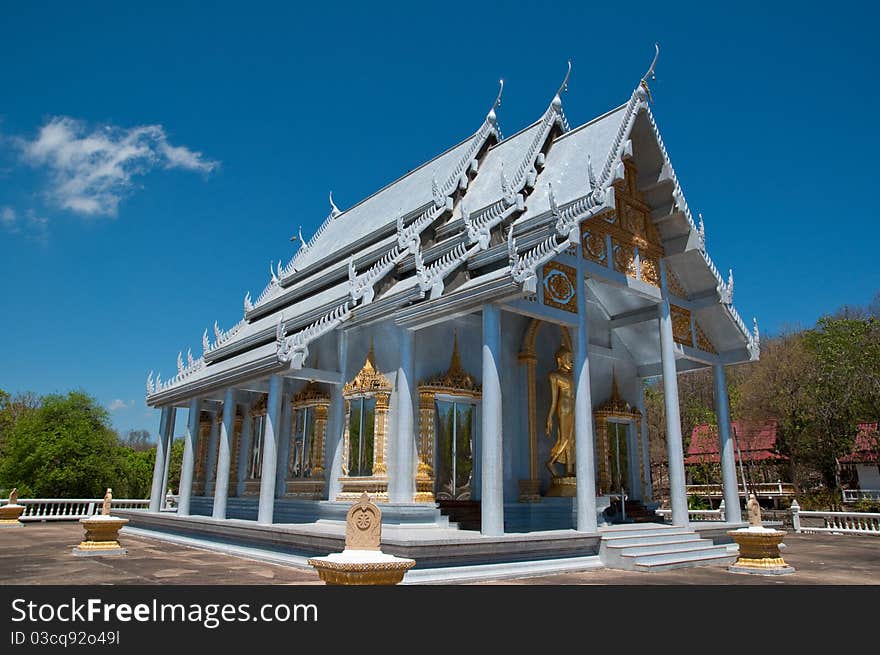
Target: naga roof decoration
x,y
480,198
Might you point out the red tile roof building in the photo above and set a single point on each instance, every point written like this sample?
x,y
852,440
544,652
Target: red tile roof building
x,y
756,443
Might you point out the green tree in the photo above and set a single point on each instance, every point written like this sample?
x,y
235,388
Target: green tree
x,y
63,448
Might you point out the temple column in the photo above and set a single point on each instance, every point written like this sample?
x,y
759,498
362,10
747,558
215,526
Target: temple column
x,y
492,483
732,509
167,467
162,446
645,446
189,457
227,428
585,467
270,451
403,477
244,450
211,453
333,445
283,447
674,448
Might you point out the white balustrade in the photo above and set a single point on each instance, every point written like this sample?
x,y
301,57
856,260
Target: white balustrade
x,y
835,522
855,495
760,489
695,514
73,509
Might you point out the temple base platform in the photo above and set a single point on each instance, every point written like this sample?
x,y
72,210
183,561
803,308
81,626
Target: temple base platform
x,y
431,545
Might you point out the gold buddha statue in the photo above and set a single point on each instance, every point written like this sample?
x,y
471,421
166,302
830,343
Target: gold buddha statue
x,y
562,408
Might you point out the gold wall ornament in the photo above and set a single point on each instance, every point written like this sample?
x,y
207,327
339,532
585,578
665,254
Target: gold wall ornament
x,y
681,325
703,342
673,284
259,408
559,283
594,243
368,383
455,381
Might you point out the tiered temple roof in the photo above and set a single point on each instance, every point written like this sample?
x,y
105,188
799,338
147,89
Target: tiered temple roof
x,y
479,221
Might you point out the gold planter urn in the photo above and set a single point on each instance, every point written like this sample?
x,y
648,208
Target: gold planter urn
x,y
758,546
101,532
362,562
11,511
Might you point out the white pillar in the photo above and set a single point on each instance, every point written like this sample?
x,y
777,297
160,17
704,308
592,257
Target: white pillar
x,y
159,465
492,487
333,444
584,440
227,427
270,451
244,451
189,457
645,446
167,468
725,447
211,454
283,447
403,480
674,447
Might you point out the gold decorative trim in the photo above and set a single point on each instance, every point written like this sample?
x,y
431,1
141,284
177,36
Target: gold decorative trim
x,y
368,379
703,342
615,409
559,283
681,325
368,382
636,248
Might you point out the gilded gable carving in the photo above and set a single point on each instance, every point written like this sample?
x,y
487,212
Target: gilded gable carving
x,y
635,244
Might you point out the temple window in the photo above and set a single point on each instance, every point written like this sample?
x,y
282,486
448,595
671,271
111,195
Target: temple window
x,y
367,399
447,429
255,468
361,435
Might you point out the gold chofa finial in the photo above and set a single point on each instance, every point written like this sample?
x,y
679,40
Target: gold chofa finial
x,y
650,73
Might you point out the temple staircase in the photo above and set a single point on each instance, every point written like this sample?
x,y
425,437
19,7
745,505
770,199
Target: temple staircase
x,y
656,547
466,514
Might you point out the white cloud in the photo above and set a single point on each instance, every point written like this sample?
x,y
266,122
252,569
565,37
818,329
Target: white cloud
x,y
30,224
91,172
118,404
8,218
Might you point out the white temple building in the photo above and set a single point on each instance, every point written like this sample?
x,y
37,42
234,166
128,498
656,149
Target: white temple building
x,y
469,343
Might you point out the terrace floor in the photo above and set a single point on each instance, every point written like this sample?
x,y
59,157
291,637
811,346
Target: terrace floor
x,y
40,554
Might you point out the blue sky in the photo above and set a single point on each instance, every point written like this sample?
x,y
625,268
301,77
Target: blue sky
x,y
154,158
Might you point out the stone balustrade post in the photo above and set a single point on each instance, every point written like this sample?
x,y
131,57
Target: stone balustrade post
x,y
795,517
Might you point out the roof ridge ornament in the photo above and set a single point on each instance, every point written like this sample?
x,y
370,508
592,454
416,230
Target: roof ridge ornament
x,y
206,345
248,305
491,116
644,81
591,174
701,232
563,88
334,210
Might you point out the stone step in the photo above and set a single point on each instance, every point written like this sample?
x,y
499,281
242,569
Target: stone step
x,y
698,549
647,539
682,560
653,549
